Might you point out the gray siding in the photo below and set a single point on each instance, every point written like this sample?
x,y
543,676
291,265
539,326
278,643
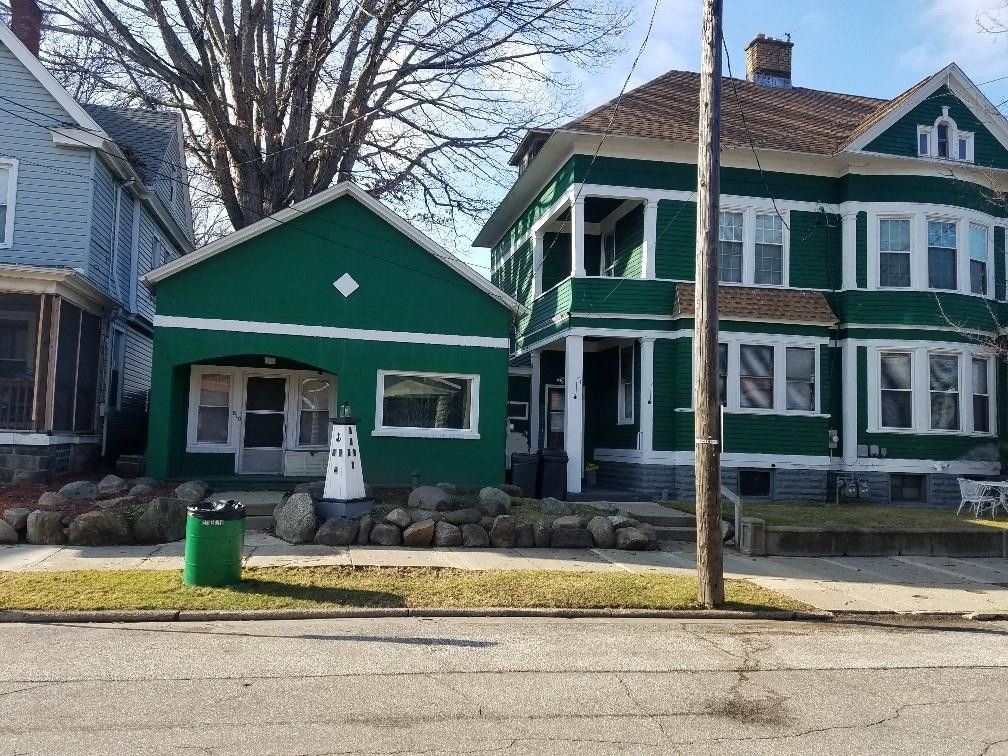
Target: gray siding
x,y
149,231
127,425
124,248
99,266
163,183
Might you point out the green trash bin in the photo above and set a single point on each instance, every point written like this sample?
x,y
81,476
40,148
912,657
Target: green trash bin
x,y
215,535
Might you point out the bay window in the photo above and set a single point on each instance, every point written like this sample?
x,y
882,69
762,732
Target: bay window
x,y
943,371
894,252
896,390
981,395
978,258
730,245
756,376
800,368
941,255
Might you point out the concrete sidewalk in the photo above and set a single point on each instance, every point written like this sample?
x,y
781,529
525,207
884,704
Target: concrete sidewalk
x,y
862,584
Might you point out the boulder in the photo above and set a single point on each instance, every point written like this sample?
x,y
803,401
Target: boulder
x,y
399,517
556,507
474,536
648,530
337,531
120,505
111,486
79,490
45,528
494,502
294,519
145,481
313,488
602,531
163,521
430,497
622,521
100,528
470,515
727,530
140,491
511,490
364,530
192,491
419,515
51,501
571,538
569,521
631,539
524,537
542,533
419,534
446,534
17,517
502,533
448,487
386,534
486,523
8,535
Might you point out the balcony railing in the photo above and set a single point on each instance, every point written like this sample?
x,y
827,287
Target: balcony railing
x,y
16,395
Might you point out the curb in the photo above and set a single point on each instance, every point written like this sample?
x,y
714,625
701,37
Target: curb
x,y
146,615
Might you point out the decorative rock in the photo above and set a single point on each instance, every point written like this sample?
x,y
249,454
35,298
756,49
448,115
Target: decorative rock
x,y
295,520
631,539
553,506
140,491
727,530
511,490
430,497
542,533
569,521
119,505
111,486
486,523
571,538
364,530
502,533
474,536
17,517
192,491
448,488
622,521
524,536
446,534
8,535
163,521
79,490
648,530
399,517
101,528
337,531
419,515
602,531
45,528
386,534
51,501
494,502
145,481
315,488
471,515
419,533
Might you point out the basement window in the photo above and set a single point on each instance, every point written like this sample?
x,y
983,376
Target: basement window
x,y
907,488
755,483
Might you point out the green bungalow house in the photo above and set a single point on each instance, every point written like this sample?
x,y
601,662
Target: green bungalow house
x,y
862,263
261,335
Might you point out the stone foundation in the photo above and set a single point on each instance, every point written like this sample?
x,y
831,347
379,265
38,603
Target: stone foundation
x,y
23,463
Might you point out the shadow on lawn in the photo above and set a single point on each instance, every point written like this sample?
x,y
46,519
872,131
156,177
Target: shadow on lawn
x,y
318,594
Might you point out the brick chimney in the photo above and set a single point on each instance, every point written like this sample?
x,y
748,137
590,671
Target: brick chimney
x,y
768,61
26,22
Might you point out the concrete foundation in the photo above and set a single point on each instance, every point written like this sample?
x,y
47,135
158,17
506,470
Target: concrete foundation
x,y
23,463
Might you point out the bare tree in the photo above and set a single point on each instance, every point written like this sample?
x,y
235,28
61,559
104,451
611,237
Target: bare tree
x,y
413,99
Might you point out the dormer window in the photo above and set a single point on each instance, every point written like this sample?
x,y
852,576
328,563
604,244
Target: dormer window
x,y
944,140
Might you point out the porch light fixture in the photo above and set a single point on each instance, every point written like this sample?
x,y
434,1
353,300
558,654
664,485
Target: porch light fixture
x,y
344,410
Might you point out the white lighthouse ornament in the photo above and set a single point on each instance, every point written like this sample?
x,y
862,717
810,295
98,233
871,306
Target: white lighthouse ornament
x,y
344,494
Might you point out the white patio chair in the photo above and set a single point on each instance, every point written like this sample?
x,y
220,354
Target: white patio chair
x,y
977,496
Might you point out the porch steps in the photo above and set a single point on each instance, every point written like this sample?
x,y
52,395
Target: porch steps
x,y
669,524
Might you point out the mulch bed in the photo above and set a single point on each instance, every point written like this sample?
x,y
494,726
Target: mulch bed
x,y
27,494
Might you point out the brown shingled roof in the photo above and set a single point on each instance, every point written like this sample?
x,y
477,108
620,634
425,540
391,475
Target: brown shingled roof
x,y
758,303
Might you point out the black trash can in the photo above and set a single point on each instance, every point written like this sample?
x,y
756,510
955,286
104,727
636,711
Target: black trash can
x,y
553,474
525,472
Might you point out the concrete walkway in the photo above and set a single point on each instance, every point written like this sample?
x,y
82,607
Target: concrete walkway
x,y
862,584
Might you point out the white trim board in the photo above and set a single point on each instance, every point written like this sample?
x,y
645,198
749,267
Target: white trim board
x,y
326,332
22,438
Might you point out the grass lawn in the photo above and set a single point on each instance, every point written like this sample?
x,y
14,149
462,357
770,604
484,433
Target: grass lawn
x,y
819,514
322,587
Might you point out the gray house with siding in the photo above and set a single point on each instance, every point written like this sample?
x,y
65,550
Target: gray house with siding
x,y
91,199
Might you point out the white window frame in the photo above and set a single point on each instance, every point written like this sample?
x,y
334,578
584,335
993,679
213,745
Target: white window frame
x,y
988,249
913,390
954,135
295,408
470,433
879,251
525,410
610,270
624,414
749,213
958,251
11,164
193,445
959,393
991,391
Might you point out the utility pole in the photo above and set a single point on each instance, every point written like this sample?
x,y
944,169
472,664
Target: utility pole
x,y
707,425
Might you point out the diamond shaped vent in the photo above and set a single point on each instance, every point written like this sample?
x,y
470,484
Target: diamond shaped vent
x,y
346,285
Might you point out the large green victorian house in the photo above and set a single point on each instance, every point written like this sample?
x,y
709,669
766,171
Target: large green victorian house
x,y
863,269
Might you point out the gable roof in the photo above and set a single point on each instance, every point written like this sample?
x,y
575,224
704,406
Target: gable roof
x,y
280,217
144,135
760,303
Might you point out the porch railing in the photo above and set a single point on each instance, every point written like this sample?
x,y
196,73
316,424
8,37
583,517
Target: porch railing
x,y
16,399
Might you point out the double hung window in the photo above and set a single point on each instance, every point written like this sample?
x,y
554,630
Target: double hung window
x,y
894,252
730,245
978,258
941,255
896,389
943,371
769,250
756,376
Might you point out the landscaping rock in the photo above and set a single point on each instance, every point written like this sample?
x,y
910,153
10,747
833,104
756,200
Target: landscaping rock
x,y
419,534
602,531
648,530
364,530
502,533
79,490
51,501
631,539
448,488
430,497
99,529
140,491
446,534
111,486
571,538
494,502
622,521
386,534
17,517
470,515
524,537
314,488
542,533
119,505
8,535
511,490
163,521
145,481
553,506
486,523
192,491
474,536
295,520
399,517
569,521
45,528
337,531
727,530
419,515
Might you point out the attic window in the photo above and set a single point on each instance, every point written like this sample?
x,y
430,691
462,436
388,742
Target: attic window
x,y
944,140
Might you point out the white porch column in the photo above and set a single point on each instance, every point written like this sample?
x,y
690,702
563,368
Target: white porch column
x,y
647,394
535,401
849,250
649,251
577,238
574,411
537,262
849,391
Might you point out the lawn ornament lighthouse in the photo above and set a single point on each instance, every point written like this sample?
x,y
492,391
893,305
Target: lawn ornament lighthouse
x,y
344,494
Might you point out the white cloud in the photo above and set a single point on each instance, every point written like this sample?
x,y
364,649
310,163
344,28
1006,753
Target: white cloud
x,y
949,31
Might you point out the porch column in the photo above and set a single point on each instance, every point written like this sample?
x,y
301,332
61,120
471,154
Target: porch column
x,y
535,400
647,394
537,262
649,252
577,237
574,411
849,246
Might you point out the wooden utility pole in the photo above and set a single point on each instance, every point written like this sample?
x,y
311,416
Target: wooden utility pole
x,y
707,424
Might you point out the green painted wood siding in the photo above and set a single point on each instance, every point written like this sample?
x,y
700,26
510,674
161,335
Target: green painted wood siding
x,y
673,388
901,138
556,262
550,306
631,296
630,243
816,250
675,246
515,275
861,250
560,182
921,189
999,262
913,308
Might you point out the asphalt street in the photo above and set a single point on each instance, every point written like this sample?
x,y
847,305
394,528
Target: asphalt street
x,y
506,686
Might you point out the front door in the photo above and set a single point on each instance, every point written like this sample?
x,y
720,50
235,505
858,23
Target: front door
x,y
264,425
